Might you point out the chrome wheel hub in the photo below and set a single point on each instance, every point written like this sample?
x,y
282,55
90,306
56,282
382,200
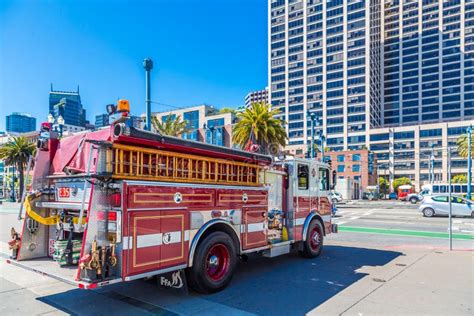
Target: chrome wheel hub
x,y
213,261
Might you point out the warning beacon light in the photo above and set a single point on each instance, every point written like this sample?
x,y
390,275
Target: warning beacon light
x,y
123,106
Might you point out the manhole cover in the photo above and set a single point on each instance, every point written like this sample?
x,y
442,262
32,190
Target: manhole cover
x,y
378,280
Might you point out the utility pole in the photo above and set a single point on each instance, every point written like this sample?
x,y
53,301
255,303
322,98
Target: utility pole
x,y
321,142
432,164
469,161
148,65
312,118
450,201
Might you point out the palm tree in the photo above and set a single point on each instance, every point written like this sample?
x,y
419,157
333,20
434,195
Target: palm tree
x,y
172,126
463,146
16,153
258,125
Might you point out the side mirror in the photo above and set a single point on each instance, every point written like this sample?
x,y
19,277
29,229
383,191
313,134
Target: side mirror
x,y
334,179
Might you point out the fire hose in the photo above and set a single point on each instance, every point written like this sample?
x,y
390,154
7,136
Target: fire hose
x,y
50,220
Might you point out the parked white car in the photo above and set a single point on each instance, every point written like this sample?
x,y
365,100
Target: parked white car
x,y
438,204
417,197
335,197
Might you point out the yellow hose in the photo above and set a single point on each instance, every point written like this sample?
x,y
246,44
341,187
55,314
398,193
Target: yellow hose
x,y
51,220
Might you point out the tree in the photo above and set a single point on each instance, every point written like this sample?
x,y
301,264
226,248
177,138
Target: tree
x,y
227,110
16,152
257,124
462,146
172,126
383,185
459,178
400,181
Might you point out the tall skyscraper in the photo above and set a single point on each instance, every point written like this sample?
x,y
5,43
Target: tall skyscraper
x,y
325,57
256,96
394,76
20,123
68,105
428,61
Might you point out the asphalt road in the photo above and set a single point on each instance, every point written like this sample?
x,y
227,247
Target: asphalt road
x,y
383,252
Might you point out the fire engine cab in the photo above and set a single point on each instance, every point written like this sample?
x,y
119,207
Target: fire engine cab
x,y
121,203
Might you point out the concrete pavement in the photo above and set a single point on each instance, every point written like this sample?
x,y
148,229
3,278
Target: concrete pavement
x,y
358,273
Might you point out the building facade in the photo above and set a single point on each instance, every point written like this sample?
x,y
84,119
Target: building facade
x,y
356,165
428,61
101,120
68,105
256,97
20,123
396,77
204,124
325,58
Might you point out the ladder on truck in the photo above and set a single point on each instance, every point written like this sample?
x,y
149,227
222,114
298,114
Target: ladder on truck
x,y
137,163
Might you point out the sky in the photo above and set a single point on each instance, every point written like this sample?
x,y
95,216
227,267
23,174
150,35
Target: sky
x,y
204,51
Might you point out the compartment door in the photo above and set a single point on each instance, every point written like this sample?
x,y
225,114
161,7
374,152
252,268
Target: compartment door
x,y
254,227
143,246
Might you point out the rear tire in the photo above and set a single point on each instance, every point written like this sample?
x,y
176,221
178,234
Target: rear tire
x,y
413,200
214,264
428,212
313,246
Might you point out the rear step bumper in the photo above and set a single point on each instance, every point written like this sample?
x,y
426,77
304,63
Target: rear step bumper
x,y
80,284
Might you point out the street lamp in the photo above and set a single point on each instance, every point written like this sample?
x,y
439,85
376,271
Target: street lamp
x,y
148,65
314,123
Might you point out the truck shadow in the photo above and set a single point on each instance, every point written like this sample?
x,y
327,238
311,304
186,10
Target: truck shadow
x,y
271,286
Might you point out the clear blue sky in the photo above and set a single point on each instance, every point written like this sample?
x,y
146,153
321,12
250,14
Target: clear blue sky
x,y
204,51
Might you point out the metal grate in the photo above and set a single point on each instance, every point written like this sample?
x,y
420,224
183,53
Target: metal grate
x,y
135,163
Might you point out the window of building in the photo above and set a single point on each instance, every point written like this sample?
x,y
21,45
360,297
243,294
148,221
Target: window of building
x,y
356,157
356,168
340,168
340,158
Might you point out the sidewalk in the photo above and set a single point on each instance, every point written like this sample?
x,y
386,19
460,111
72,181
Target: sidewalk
x,y
420,282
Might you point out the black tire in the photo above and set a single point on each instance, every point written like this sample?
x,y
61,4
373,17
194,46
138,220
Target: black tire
x,y
200,277
413,200
311,247
428,212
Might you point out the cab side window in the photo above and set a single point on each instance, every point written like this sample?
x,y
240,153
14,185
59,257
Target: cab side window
x,y
323,179
303,177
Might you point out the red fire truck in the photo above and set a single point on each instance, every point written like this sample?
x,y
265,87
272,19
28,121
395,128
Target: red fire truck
x,y
121,203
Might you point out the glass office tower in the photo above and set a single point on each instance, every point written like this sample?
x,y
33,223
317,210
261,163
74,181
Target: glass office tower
x,y
428,61
325,57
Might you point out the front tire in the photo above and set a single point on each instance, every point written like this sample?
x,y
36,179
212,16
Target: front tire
x,y
413,200
313,245
214,264
428,212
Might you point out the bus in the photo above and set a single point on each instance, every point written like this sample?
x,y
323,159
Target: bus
x,y
457,188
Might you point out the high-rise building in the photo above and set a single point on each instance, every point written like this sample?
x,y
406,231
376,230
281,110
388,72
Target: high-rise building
x,y
20,123
428,61
101,120
204,123
256,97
325,58
68,105
394,76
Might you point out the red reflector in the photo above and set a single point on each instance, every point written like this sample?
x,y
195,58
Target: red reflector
x,y
101,216
92,286
112,216
81,286
116,199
